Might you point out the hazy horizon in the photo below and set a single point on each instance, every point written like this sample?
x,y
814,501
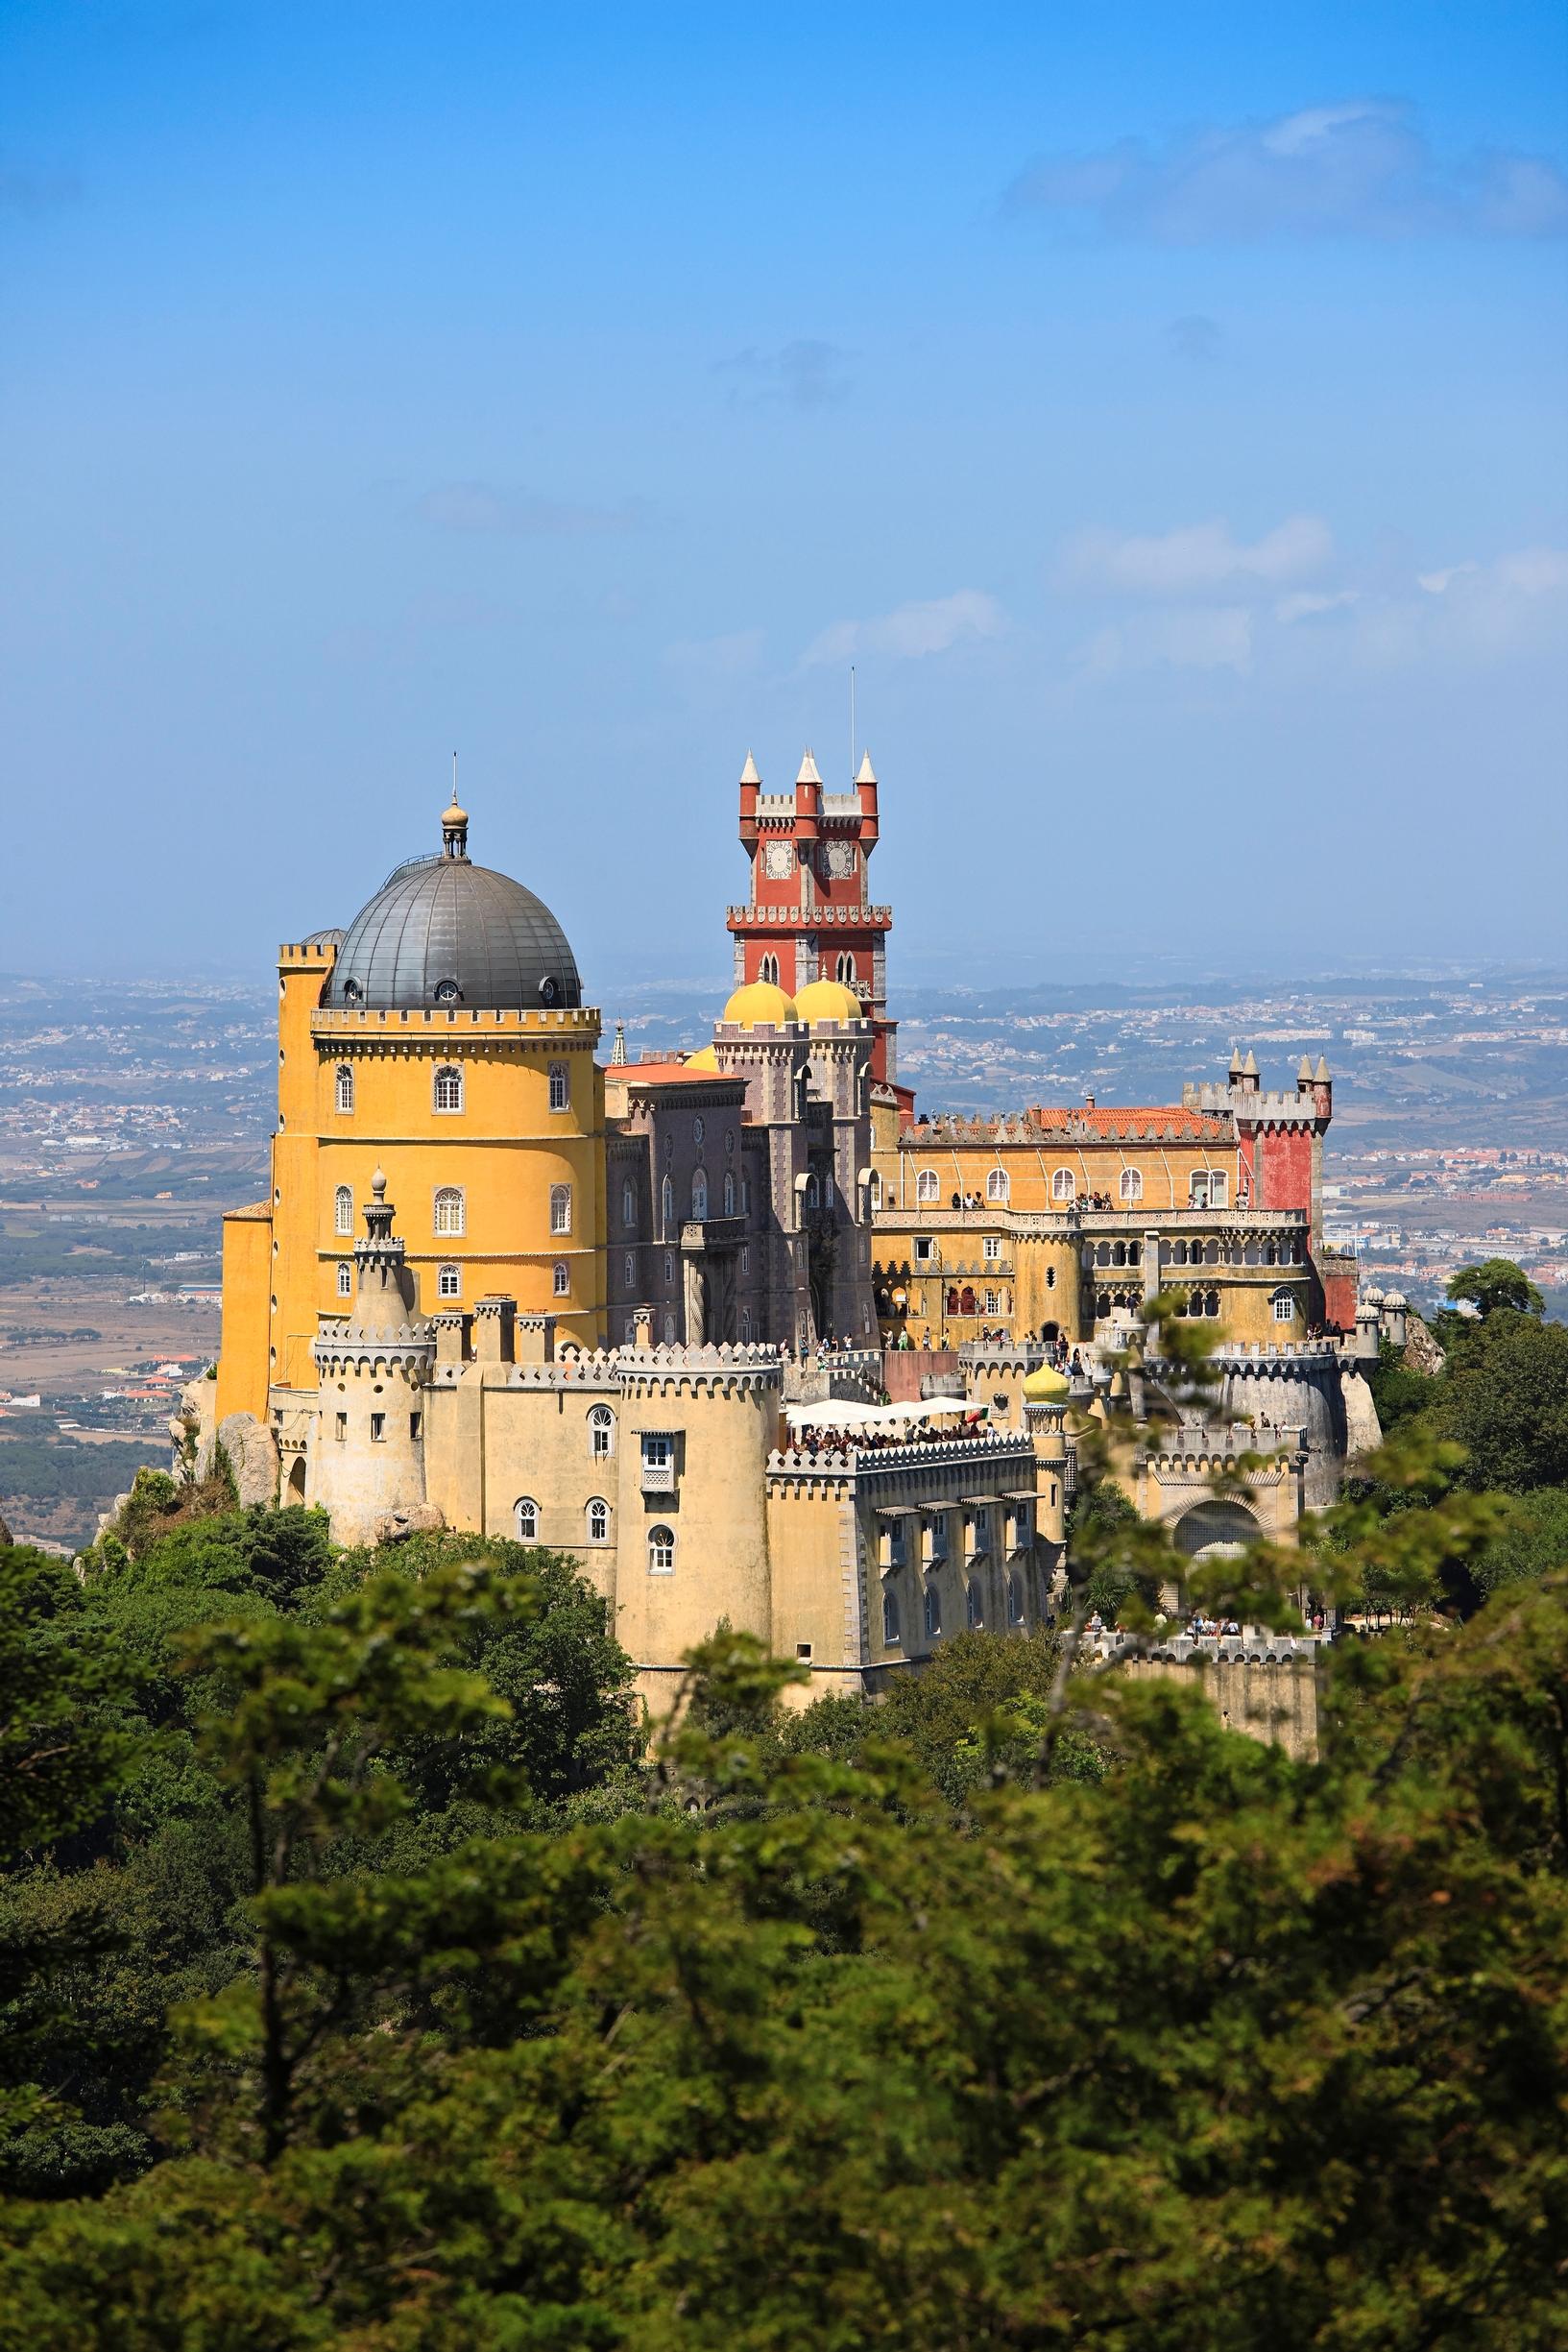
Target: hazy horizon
x,y
1167,426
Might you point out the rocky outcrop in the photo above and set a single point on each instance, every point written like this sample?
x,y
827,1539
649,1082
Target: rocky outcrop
x,y
194,1430
1422,1353
252,1453
413,1519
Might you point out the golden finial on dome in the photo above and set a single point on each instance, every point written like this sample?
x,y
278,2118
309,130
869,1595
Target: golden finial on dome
x,y
454,823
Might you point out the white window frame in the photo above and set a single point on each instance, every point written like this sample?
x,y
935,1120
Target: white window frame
x,y
596,1520
925,1249
561,1279
449,1210
1197,1188
560,1208
662,1549
343,1209
1218,1188
448,1075
1064,1184
601,1433
346,1279
448,1281
525,1518
992,1302
928,1188
699,1195
629,1269
1283,1306
1132,1184
991,1249
666,1204
728,1192
559,1086
998,1186
343,1088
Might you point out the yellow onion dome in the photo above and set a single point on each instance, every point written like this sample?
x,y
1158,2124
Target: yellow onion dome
x,y
704,1059
827,999
759,1001
1046,1386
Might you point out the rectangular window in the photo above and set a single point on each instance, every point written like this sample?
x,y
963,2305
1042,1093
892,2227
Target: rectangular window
x,y
415,1426
925,1249
1219,1189
991,1249
559,1086
1197,1190
1284,1308
658,1462
992,1302
450,1282
342,1427
378,1427
895,1544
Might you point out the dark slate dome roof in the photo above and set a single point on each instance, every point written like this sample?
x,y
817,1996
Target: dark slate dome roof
x,y
440,931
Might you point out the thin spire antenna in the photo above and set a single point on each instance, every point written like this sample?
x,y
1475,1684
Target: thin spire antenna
x,y
852,723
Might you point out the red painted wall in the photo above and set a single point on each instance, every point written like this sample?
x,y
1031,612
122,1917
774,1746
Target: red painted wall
x,y
1285,1170
904,1369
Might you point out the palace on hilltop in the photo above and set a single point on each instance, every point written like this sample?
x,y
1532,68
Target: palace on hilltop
x,y
739,1327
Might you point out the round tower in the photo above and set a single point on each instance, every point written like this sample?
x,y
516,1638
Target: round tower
x,y
372,1368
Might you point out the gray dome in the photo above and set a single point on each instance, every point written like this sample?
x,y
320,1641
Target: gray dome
x,y
440,931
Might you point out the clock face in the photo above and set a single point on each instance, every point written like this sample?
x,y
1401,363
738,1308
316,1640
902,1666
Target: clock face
x,y
778,861
838,860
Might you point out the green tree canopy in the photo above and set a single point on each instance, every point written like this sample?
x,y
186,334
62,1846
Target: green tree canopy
x,y
1496,1282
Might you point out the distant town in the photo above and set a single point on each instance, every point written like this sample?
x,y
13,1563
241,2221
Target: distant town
x,y
132,1113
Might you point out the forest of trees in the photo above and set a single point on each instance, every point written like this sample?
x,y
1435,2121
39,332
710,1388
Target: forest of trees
x,y
370,1981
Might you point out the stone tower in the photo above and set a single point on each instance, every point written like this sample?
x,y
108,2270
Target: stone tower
x,y
372,1367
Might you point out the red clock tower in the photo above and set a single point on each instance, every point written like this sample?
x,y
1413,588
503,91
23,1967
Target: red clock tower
x,y
809,916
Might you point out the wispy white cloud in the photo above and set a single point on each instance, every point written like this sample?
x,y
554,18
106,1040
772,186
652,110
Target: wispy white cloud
x,y
1361,168
1198,560
488,506
807,374
1214,637
911,631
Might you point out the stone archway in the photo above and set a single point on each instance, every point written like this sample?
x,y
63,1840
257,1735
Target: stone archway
x,y
296,1480
1214,1526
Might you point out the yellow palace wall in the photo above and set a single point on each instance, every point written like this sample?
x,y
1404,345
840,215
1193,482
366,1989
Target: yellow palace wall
x,y
503,1151
1165,1169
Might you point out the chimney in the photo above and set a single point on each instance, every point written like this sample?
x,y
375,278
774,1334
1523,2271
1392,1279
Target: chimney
x,y
642,1328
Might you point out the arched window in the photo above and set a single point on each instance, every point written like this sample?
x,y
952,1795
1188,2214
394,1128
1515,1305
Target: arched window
x,y
630,1269
598,1520
1132,1184
450,1215
559,1086
699,1194
345,1086
876,1190
628,1204
448,1087
560,1208
933,1612
927,1186
562,1279
1284,1307
728,1193
890,1616
814,1193
346,1281
526,1514
746,1323
997,1186
601,1428
660,1551
1218,1188
976,1608
666,1203
1015,1600
768,970
343,1210
670,1329
450,1282
846,969
1064,1185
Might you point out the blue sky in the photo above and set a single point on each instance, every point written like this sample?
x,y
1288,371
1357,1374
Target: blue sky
x,y
1161,407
